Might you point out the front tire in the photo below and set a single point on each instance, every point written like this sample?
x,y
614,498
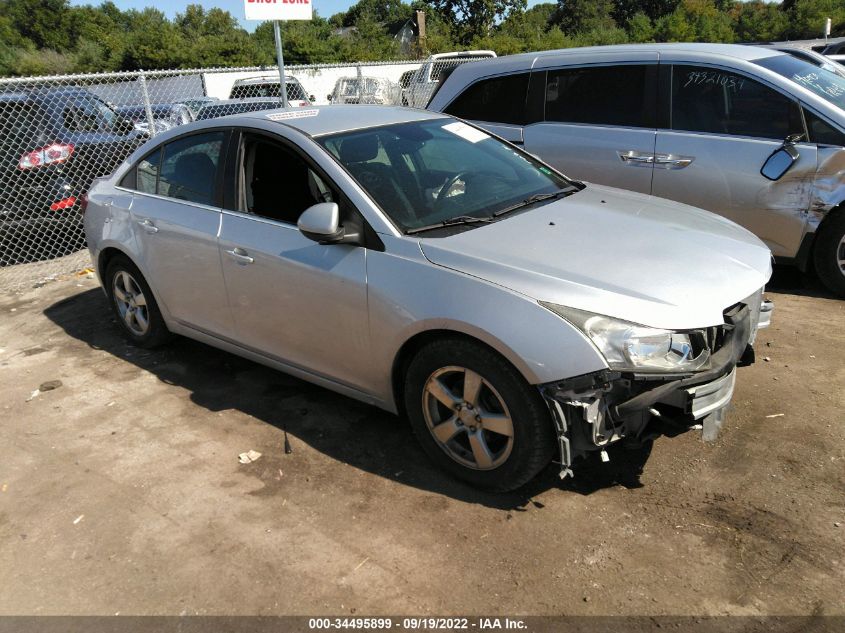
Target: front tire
x,y
829,254
476,416
133,304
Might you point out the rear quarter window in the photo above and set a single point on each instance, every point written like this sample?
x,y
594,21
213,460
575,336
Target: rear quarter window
x,y
189,166
148,170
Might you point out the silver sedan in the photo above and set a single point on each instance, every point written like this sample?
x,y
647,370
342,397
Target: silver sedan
x,y
417,263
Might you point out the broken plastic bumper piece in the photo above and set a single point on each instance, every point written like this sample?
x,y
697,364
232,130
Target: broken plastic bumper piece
x,y
766,310
592,411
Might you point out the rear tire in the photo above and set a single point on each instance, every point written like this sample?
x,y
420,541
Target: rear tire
x,y
829,254
476,416
133,304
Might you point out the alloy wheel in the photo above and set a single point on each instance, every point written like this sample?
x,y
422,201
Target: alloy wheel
x,y
468,418
131,303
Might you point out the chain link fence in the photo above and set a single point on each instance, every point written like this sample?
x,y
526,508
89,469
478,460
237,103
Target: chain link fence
x,y
59,133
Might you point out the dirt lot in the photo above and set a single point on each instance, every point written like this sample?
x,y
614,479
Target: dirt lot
x,y
121,491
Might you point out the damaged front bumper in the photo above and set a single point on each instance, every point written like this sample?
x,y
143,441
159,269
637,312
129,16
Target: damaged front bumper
x,y
595,410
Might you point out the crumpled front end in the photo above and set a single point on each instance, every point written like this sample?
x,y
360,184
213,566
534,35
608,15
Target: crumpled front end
x,y
595,410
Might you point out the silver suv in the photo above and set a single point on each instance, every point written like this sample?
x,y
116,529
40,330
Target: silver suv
x,y
695,123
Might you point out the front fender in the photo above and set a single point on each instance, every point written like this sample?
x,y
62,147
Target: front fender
x,y
829,184
542,346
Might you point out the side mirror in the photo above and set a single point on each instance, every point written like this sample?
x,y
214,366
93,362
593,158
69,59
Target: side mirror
x,y
321,223
779,162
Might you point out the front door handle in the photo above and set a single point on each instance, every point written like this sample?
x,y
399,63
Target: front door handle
x,y
240,256
671,161
635,158
148,226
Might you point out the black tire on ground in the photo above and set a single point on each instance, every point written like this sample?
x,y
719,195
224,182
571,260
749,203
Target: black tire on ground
x,y
828,251
533,429
157,332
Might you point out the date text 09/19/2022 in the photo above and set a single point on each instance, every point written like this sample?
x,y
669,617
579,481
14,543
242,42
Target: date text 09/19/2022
x,y
413,624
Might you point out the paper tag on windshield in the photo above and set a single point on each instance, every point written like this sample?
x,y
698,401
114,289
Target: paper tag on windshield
x,y
296,114
466,132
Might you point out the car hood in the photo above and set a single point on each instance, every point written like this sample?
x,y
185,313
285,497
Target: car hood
x,y
612,252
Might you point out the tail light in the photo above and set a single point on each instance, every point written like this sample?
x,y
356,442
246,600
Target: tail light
x,y
65,203
50,155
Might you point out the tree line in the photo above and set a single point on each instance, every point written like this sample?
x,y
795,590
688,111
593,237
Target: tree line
x,y
52,37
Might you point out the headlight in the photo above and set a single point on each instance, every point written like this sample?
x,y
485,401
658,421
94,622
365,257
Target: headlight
x,y
631,347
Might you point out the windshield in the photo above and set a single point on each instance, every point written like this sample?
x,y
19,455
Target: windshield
x,y
425,172
818,80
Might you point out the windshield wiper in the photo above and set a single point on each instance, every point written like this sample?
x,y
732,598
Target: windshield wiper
x,y
537,197
461,219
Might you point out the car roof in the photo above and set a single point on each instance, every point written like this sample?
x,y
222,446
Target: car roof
x,y
819,43
155,107
265,79
738,51
16,97
43,92
227,102
462,54
331,119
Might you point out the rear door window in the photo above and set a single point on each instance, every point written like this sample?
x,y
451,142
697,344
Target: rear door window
x,y
717,101
621,95
189,167
496,100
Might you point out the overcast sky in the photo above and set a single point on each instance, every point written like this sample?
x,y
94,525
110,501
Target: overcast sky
x,y
325,8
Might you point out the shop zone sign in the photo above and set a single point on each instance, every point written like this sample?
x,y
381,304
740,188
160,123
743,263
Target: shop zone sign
x,y
277,9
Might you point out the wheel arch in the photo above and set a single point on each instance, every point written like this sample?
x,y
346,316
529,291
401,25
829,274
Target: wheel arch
x,y
829,234
105,257
415,343
835,211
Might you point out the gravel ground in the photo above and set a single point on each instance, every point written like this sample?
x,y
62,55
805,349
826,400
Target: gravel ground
x,y
121,490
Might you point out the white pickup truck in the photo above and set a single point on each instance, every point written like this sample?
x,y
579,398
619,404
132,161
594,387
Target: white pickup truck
x,y
423,82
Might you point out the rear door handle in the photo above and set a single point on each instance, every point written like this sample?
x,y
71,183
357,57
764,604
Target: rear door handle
x,y
240,256
148,226
635,158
